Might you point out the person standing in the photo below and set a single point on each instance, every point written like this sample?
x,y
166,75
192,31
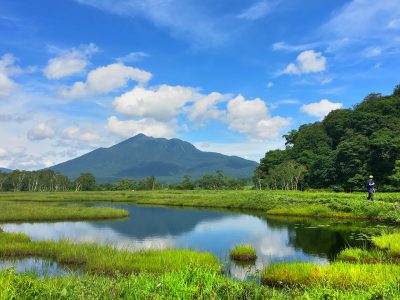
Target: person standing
x,y
371,188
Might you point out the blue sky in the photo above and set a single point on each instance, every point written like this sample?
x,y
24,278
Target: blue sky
x,y
228,76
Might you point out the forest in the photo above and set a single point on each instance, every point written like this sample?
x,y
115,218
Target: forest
x,y
50,181
340,151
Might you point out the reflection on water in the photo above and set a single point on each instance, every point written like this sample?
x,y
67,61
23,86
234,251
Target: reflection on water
x,y
39,267
275,239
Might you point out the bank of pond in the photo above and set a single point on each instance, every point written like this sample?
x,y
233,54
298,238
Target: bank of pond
x,y
156,252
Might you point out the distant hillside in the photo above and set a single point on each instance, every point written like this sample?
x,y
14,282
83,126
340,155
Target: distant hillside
x,y
343,149
5,170
142,156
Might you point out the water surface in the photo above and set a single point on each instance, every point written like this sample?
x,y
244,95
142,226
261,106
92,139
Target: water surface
x,y
275,239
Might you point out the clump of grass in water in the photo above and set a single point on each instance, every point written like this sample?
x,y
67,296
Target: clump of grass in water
x,y
243,252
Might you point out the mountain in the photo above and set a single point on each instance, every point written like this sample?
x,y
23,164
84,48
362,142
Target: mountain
x,y
142,156
5,170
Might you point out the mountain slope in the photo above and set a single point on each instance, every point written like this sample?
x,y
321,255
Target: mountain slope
x,y
5,170
142,156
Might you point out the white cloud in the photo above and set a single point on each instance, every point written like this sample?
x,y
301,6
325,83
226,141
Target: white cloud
x,y
189,20
253,150
149,127
7,69
205,108
372,51
252,118
394,24
270,84
133,57
307,62
106,79
364,19
256,11
320,109
41,131
283,46
161,103
69,62
77,134
3,152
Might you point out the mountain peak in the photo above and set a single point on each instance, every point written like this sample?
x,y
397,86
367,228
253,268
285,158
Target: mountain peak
x,y
167,159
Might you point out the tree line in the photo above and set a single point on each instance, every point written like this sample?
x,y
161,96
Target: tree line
x,y
341,151
50,181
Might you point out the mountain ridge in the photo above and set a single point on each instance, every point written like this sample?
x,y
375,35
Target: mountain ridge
x,y
142,156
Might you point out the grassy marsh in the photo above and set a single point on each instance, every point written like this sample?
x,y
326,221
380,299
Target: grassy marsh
x,y
309,203
15,211
108,260
243,253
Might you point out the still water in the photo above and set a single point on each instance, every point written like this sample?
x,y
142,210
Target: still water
x,y
275,238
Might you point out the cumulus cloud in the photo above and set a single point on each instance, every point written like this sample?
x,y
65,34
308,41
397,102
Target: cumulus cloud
x,y
41,131
106,79
320,109
161,103
307,62
7,69
256,11
206,108
85,136
69,62
149,127
252,118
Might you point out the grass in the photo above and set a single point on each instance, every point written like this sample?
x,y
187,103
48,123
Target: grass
x,y
310,203
243,253
340,275
49,211
107,260
188,283
390,243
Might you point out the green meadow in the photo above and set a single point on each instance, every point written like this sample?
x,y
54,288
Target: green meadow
x,y
110,273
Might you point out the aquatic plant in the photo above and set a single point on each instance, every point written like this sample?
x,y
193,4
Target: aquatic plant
x,y
243,252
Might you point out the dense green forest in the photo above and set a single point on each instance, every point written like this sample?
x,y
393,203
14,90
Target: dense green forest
x,y
50,181
341,151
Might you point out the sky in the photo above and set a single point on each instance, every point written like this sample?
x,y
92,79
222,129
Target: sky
x,y
228,76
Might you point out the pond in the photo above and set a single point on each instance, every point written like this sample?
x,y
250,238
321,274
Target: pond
x,y
276,239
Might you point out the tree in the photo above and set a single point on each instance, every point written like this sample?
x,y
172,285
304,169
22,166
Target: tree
x,y
85,182
395,177
396,90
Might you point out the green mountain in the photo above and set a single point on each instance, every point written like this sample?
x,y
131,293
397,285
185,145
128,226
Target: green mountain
x,y
142,156
5,170
342,150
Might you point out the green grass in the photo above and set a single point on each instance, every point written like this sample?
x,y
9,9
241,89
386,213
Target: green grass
x,y
358,255
243,253
310,203
38,211
390,243
188,283
340,275
108,260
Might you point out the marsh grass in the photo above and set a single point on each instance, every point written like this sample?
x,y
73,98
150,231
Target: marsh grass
x,y
188,283
308,203
390,243
105,260
336,275
17,211
358,255
243,252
